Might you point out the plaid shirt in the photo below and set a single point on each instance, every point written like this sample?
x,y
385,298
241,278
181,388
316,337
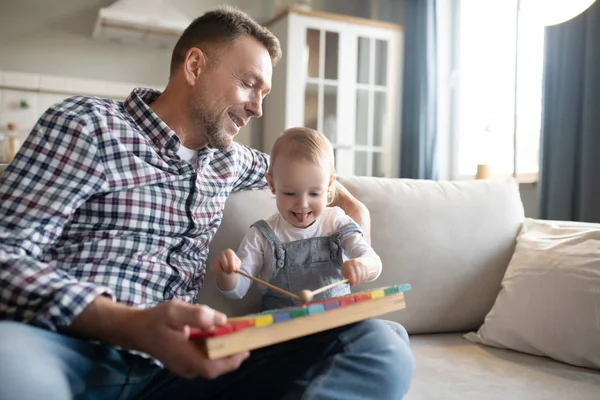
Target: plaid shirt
x,y
97,202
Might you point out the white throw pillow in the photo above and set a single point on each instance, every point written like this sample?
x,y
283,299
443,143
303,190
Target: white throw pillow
x,y
549,304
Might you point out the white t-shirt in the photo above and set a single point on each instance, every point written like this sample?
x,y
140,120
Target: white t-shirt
x,y
186,154
257,256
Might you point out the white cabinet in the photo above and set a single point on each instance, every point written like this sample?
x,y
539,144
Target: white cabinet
x,y
340,75
24,97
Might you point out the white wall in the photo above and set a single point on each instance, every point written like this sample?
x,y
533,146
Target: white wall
x,y
54,37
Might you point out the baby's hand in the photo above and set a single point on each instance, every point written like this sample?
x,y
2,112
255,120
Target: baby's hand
x,y
355,271
226,262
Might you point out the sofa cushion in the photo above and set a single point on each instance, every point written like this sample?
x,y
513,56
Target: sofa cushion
x,y
550,299
452,241
451,368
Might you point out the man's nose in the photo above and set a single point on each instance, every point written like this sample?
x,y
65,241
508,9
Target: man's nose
x,y
254,106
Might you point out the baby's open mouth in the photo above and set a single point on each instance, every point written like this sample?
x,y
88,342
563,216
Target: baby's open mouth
x,y
301,217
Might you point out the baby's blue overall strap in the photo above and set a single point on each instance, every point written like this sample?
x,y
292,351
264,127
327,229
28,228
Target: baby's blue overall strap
x,y
335,242
267,232
273,240
346,230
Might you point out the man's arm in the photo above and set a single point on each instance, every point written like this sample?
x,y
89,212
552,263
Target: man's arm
x,y
354,208
161,331
55,171
252,168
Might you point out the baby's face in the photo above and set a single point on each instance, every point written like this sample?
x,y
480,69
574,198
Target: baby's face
x,y
300,189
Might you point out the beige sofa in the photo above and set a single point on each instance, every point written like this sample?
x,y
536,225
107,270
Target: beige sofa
x,y
452,241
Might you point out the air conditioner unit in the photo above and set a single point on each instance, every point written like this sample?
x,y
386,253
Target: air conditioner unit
x,y
141,21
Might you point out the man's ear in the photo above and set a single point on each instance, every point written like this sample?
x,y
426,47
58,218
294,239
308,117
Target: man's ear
x,y
270,182
193,65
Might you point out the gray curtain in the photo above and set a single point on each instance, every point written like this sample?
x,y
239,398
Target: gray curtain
x,y
570,148
419,91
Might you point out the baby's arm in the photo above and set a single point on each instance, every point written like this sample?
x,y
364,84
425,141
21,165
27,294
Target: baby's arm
x,y
363,264
224,266
249,259
365,267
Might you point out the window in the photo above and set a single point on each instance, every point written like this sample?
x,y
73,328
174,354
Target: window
x,y
485,113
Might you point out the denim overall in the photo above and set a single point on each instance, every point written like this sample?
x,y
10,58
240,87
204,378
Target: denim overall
x,y
305,264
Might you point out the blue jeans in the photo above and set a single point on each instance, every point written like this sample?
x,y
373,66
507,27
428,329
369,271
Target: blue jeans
x,y
367,360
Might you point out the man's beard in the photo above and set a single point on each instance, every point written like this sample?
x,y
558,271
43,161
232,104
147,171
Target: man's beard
x,y
213,124
216,135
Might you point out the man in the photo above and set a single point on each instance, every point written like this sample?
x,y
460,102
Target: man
x,y
106,215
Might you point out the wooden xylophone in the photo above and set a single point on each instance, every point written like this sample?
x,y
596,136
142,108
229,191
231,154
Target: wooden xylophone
x,y
274,326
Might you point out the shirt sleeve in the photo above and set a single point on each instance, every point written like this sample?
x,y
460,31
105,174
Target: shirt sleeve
x,y
251,253
54,172
253,166
355,245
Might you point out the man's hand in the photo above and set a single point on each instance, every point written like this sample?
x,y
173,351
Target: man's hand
x,y
161,332
224,265
354,208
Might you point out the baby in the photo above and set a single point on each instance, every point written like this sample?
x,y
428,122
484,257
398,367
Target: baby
x,y
306,244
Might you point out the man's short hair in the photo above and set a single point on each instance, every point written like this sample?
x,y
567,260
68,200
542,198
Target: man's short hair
x,y
220,26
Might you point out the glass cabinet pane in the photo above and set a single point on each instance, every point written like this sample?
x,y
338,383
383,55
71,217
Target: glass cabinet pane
x,y
362,117
311,105
360,163
330,112
331,55
313,48
381,62
379,111
362,62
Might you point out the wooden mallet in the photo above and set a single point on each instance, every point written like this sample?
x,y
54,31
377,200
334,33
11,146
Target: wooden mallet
x,y
306,296
267,284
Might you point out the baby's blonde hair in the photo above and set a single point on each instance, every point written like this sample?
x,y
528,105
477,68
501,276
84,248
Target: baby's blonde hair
x,y
307,144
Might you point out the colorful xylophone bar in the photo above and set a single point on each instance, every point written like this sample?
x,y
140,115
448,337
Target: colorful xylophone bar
x,y
288,323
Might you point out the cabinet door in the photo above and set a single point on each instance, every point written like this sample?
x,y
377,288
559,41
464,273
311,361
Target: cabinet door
x,y
321,83
348,90
376,138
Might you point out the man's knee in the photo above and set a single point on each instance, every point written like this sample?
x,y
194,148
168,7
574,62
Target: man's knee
x,y
20,338
376,333
401,358
389,346
29,369
398,357
383,334
399,329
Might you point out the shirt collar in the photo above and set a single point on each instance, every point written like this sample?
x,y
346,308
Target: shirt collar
x,y
137,106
